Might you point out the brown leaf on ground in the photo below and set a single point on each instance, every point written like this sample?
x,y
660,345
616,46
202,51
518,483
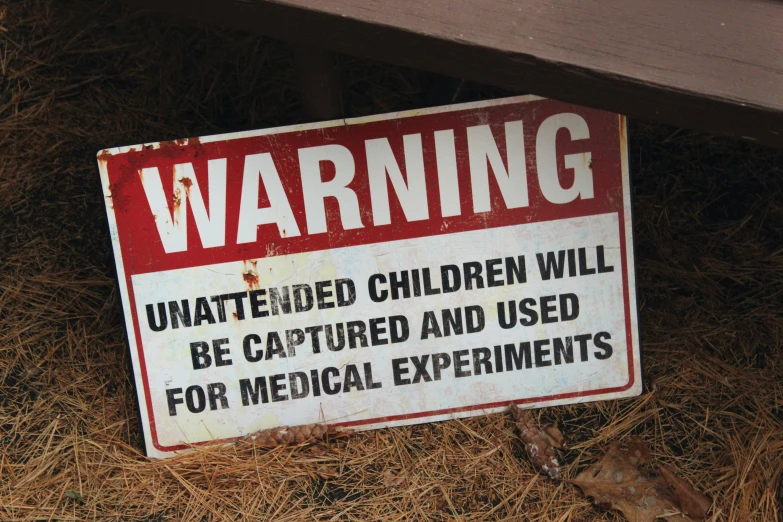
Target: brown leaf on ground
x,y
638,451
392,479
539,448
693,502
293,435
555,436
327,472
615,483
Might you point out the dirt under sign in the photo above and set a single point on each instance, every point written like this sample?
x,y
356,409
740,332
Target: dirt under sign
x,y
379,271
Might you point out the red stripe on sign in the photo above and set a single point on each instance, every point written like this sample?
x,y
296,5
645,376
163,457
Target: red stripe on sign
x,y
136,224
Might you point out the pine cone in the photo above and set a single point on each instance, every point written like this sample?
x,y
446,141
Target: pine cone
x,y
537,444
290,436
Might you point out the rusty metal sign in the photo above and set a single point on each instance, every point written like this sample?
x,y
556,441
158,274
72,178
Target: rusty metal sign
x,y
379,271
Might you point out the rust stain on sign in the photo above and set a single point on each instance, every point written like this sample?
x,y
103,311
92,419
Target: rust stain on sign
x,y
250,274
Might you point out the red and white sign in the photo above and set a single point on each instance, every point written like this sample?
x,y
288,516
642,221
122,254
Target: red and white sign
x,y
380,271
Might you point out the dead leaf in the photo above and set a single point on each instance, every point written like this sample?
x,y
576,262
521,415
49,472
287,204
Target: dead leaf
x,y
75,495
693,502
555,436
315,451
327,472
391,479
537,443
638,451
615,483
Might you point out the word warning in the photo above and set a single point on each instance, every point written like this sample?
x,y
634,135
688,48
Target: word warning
x,y
379,271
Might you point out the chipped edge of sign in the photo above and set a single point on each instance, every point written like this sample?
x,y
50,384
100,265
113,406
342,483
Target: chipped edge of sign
x,y
114,151
141,395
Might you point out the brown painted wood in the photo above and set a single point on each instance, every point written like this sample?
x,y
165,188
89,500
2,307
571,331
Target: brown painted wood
x,y
319,83
713,65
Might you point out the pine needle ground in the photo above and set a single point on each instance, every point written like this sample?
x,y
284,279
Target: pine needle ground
x,y
79,76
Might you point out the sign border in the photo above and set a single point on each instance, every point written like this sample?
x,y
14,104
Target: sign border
x,y
134,334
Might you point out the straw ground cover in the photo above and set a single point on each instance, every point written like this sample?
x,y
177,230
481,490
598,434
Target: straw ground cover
x,y
79,76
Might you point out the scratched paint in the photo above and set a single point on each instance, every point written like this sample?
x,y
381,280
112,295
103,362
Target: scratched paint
x,y
389,270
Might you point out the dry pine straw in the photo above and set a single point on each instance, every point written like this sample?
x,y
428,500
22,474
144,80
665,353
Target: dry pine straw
x,y
78,76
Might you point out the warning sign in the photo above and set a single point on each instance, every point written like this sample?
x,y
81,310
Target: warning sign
x,y
380,271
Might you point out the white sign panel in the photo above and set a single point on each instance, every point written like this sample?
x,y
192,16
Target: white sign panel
x,y
376,272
